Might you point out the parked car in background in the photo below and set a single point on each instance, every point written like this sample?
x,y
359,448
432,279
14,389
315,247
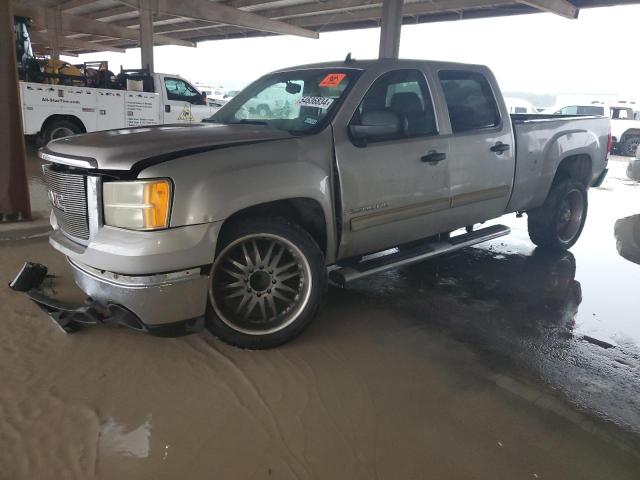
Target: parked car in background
x,y
237,224
625,129
230,94
519,105
633,169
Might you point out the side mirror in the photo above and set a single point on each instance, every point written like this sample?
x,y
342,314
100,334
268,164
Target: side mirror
x,y
376,124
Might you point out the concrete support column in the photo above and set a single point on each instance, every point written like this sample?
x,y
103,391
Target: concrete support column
x,y
54,29
14,192
391,28
146,34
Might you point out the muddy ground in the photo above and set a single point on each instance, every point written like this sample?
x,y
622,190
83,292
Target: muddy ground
x,y
406,375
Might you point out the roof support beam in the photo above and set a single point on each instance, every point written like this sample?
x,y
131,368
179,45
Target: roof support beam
x,y
43,38
109,12
563,8
375,12
146,35
391,28
73,4
77,24
220,13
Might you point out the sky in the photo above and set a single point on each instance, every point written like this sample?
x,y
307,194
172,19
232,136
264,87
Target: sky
x,y
540,53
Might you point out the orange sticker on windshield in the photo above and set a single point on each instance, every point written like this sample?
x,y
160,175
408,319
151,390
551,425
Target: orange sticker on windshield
x,y
332,80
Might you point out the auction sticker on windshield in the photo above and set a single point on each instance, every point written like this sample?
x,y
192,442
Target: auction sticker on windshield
x,y
332,80
318,102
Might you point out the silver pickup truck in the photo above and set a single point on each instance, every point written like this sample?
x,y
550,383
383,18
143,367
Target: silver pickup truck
x,y
355,167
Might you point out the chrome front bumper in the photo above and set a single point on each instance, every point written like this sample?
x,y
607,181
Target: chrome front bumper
x,y
157,300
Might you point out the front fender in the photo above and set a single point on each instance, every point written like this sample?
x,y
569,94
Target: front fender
x,y
212,186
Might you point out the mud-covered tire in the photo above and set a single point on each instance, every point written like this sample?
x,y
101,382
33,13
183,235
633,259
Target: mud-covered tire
x,y
279,302
630,146
59,129
558,223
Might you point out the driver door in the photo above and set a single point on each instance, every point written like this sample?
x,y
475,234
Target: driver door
x,y
180,99
394,187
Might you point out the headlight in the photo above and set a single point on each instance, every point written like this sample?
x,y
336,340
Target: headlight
x,y
137,205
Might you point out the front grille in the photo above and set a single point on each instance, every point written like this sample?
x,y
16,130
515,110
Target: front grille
x,y
68,197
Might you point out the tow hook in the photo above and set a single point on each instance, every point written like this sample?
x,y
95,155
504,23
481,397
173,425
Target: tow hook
x,y
70,318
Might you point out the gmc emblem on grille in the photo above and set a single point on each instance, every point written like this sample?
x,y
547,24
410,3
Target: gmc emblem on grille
x,y
56,200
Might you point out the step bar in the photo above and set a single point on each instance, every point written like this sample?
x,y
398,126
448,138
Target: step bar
x,y
353,270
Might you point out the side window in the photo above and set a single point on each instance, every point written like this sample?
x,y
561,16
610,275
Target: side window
x,y
404,93
178,89
572,110
469,99
589,110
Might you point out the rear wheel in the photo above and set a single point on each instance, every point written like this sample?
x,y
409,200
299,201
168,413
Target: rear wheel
x,y
558,223
59,129
267,283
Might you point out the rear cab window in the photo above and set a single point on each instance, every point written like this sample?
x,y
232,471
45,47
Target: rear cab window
x,y
470,100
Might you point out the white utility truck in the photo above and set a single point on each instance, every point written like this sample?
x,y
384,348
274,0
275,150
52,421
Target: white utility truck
x,y
55,111
625,129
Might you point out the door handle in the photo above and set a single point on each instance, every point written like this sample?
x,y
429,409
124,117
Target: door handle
x,y
167,108
500,147
433,157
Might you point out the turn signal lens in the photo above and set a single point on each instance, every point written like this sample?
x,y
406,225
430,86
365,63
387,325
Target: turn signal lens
x,y
137,205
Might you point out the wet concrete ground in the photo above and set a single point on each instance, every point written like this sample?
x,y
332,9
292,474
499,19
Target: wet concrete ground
x,y
571,320
395,379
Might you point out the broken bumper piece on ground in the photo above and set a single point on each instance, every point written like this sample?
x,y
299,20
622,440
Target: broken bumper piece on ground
x,y
71,318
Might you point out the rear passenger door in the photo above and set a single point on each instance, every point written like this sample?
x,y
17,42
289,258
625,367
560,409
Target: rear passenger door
x,y
392,185
482,159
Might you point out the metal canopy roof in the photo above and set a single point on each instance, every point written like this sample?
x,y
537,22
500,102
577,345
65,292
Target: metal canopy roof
x,y
111,25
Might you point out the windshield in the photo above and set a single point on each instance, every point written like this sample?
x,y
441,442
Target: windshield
x,y
297,101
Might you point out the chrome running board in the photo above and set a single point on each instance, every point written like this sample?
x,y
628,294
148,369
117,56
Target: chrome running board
x,y
349,271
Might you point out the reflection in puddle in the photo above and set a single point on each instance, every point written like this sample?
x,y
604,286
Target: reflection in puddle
x,y
117,439
627,232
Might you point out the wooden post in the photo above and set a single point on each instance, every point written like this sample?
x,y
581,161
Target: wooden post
x,y
14,190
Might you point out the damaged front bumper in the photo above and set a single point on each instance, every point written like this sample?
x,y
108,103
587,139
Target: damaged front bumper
x,y
170,304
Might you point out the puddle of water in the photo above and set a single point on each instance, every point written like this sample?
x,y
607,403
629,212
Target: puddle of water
x,y
120,439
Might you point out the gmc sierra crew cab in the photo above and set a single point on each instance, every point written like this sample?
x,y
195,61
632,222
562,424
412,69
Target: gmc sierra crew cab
x,y
356,167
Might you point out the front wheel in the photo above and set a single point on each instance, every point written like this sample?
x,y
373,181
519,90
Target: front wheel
x,y
267,283
558,223
630,146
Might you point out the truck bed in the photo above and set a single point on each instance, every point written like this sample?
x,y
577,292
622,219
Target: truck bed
x,y
543,141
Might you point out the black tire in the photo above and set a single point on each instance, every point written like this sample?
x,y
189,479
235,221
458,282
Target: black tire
x,y
59,129
630,146
558,223
251,328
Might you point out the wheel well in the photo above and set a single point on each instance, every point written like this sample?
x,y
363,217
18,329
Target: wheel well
x,y
629,133
69,118
304,211
577,167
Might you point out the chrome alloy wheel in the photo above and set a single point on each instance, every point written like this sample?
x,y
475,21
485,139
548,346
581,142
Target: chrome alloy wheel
x,y
260,283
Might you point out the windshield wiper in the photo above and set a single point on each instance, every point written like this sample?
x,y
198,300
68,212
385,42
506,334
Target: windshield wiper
x,y
248,121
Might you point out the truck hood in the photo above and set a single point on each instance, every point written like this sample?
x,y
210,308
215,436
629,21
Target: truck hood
x,y
136,148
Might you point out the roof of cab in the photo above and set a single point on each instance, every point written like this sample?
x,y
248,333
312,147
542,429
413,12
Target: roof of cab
x,y
367,64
